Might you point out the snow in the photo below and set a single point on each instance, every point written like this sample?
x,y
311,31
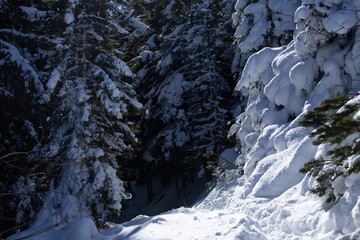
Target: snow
x,y
69,17
173,90
164,64
121,66
301,77
225,214
28,126
22,62
341,21
53,80
167,10
273,203
33,13
256,21
271,199
95,152
141,27
301,14
146,55
62,231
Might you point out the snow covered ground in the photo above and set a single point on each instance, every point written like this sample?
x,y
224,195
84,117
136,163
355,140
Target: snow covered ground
x,y
274,203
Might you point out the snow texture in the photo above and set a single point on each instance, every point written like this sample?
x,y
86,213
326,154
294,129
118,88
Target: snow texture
x,y
140,26
54,78
14,56
33,13
62,231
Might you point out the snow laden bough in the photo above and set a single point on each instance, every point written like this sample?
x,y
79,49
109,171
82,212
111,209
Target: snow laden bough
x,y
89,106
336,122
281,86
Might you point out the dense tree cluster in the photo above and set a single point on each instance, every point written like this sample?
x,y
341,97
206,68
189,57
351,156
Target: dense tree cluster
x,y
68,109
185,83
95,94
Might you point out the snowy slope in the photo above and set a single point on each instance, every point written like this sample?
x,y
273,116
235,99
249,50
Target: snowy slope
x,y
225,214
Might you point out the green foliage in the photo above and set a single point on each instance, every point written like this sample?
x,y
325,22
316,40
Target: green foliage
x,y
209,154
334,123
24,69
218,170
188,96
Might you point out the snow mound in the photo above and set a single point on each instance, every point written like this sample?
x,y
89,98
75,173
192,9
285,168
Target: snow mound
x,y
80,229
188,224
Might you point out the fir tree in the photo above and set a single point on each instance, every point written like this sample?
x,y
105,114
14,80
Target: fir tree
x,y
69,109
260,24
185,85
93,105
25,66
335,122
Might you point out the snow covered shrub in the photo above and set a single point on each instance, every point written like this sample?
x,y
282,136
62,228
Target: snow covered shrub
x,y
335,122
281,84
261,23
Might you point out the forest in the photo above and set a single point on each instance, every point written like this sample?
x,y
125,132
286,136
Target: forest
x,y
243,113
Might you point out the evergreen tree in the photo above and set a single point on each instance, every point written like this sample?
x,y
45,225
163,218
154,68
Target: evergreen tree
x,y
68,109
185,84
261,23
335,122
93,105
25,64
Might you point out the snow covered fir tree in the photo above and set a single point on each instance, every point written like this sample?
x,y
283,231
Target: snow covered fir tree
x,y
63,138
24,67
185,87
101,99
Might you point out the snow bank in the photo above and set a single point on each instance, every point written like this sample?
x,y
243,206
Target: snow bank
x,y
290,82
188,224
80,229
